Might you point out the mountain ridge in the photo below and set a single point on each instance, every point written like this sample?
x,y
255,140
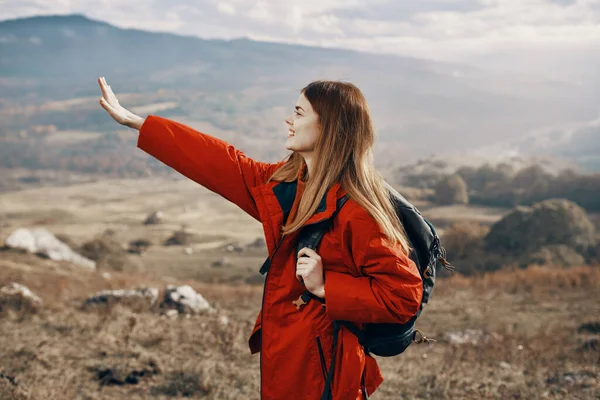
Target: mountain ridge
x,y
420,107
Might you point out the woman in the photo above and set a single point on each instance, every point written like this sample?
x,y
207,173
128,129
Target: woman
x,y
361,273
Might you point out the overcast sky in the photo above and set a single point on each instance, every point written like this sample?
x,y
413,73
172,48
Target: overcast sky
x,y
523,35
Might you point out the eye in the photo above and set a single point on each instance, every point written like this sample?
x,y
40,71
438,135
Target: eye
x,y
296,112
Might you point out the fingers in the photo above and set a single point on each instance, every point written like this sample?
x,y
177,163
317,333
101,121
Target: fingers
x,y
112,95
305,261
107,106
103,88
107,92
299,276
304,267
308,252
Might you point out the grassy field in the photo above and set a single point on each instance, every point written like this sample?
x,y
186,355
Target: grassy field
x,y
534,333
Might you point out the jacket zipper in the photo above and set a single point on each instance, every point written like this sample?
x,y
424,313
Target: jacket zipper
x,y
262,314
322,357
262,307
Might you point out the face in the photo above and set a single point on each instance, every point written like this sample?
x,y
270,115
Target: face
x,y
303,127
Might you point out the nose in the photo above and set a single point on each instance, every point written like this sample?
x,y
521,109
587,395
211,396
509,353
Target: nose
x,y
288,121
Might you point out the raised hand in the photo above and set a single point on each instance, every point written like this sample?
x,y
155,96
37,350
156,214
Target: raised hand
x,y
109,102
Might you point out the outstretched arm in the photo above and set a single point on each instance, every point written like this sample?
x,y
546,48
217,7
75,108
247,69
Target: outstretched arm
x,y
207,160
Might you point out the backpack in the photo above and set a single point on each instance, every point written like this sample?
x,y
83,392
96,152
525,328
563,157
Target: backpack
x,y
386,339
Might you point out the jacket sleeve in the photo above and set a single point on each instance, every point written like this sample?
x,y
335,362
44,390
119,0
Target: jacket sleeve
x,y
389,288
207,160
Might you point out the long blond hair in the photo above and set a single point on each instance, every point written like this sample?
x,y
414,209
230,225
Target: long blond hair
x,y
343,153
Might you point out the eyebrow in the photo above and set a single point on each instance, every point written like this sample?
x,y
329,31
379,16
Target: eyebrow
x,y
299,108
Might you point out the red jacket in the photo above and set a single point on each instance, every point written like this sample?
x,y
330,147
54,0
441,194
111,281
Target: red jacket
x,y
366,279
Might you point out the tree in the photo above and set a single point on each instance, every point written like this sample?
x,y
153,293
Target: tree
x,y
451,189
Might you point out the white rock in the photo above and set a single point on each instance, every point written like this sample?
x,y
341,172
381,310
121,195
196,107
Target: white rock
x,y
17,294
141,296
184,299
106,275
234,247
505,365
224,320
154,218
188,250
471,336
41,241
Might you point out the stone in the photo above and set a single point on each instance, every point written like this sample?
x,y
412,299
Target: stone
x,y
42,242
154,218
184,299
471,336
138,299
553,255
18,297
526,230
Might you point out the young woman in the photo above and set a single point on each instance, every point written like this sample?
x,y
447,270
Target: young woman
x,y
361,273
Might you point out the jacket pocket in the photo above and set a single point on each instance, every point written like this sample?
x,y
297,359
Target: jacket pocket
x,y
322,358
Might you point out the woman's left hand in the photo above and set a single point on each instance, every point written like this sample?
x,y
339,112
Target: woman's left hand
x,y
310,269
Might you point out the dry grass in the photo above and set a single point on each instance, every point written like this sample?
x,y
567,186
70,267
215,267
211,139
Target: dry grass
x,y
532,318
535,350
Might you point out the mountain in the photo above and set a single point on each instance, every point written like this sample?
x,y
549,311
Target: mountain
x,y
578,141
242,89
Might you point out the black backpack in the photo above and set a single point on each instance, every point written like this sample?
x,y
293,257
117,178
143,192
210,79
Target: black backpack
x,y
386,339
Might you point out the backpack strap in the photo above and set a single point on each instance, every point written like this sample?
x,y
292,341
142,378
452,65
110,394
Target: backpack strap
x,y
310,237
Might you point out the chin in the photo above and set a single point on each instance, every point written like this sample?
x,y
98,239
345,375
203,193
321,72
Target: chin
x,y
290,146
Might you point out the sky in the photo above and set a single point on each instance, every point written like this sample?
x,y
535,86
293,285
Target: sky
x,y
547,36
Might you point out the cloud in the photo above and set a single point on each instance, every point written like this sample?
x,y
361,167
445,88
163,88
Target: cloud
x,y
505,33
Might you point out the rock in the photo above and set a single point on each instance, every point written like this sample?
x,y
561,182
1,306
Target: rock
x,y
138,299
185,300
182,238
591,345
504,365
451,189
129,371
593,254
589,327
553,255
155,218
40,241
188,251
471,336
139,246
224,261
10,388
18,297
231,247
583,378
551,222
